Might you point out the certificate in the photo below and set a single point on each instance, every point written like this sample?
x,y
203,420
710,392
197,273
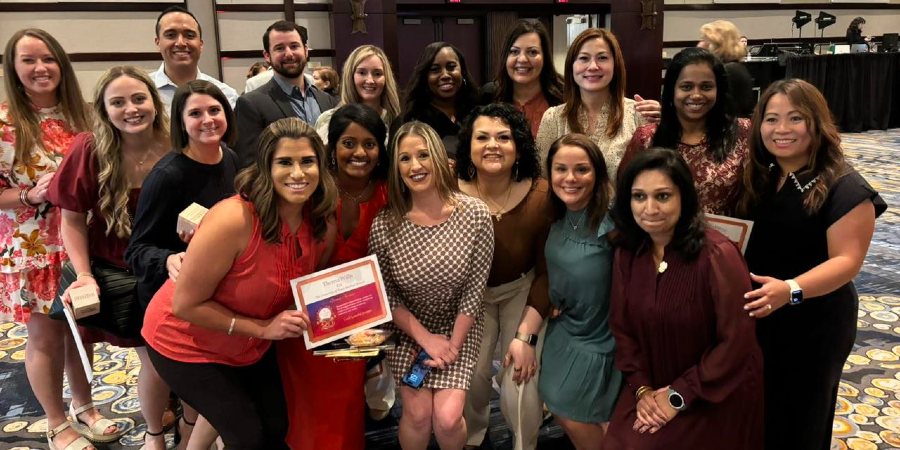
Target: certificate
x,y
341,300
737,230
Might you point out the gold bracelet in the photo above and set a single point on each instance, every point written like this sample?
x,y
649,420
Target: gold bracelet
x,y
231,326
641,391
83,275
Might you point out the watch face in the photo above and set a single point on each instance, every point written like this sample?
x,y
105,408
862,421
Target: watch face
x,y
676,400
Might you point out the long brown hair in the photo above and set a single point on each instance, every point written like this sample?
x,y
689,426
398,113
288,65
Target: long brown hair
x,y
826,158
255,183
26,120
572,93
598,204
112,181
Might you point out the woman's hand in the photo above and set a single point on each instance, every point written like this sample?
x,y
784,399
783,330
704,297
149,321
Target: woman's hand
x,y
651,110
83,281
522,358
287,324
441,351
650,415
173,265
773,294
38,193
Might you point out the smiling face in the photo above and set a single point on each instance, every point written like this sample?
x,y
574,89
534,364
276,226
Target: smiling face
x,y
593,66
204,120
572,177
286,54
129,105
295,171
493,148
415,164
445,74
368,78
525,59
656,204
785,133
179,40
695,92
356,152
37,68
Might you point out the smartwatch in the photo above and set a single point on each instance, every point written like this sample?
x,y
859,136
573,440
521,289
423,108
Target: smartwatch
x,y
676,401
530,339
796,292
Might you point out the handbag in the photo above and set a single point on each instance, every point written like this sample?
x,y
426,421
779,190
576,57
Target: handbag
x,y
119,310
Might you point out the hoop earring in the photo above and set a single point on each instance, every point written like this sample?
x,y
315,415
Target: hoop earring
x,y
333,162
471,171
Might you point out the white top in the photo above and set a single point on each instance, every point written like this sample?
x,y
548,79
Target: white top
x,y
166,87
258,80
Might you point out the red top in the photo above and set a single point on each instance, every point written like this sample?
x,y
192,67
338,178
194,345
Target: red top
x,y
256,286
75,188
357,245
534,110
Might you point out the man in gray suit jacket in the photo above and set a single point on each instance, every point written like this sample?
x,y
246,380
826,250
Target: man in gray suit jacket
x,y
288,94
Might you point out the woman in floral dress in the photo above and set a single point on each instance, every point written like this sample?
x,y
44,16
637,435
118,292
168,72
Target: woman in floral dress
x,y
43,113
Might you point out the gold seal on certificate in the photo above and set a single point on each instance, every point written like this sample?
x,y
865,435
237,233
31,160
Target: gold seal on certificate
x,y
342,300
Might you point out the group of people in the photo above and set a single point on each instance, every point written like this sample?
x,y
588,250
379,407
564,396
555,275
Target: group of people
x,y
546,214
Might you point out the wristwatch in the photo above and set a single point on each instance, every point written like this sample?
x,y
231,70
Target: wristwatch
x,y
676,401
530,339
796,292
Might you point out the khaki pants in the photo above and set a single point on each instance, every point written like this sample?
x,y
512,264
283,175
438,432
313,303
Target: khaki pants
x,y
520,405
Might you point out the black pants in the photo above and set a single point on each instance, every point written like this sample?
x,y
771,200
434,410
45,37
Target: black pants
x,y
244,404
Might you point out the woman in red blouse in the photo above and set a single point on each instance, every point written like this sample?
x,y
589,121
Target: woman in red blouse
x,y
209,336
357,159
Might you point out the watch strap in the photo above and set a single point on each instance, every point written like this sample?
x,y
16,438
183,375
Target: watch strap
x,y
796,292
530,339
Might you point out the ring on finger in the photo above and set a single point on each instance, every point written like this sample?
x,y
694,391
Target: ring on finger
x,y
769,306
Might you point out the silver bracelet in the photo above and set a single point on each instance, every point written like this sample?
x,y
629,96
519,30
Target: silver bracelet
x,y
231,326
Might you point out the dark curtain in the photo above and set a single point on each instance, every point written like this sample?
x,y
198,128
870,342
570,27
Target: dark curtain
x,y
497,26
862,89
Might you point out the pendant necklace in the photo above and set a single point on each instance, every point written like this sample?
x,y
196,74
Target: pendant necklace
x,y
355,198
498,215
578,223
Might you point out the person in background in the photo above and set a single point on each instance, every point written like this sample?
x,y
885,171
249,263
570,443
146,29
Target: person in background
x,y
499,165
525,74
813,219
209,335
368,79
434,245
855,37
257,68
722,38
746,44
179,39
357,159
595,103
102,177
327,80
288,94
39,120
440,92
688,352
698,121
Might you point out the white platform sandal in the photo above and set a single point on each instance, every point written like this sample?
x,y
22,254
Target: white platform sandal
x,y
94,432
78,444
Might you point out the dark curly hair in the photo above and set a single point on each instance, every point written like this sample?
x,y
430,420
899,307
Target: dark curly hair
x,y
527,158
720,120
418,95
367,118
689,232
551,80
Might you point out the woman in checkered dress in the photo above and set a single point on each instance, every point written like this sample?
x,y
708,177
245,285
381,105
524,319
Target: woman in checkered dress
x,y
435,247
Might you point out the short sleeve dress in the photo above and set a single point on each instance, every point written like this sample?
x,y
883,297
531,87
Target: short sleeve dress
x,y
804,346
579,380
437,272
31,247
718,183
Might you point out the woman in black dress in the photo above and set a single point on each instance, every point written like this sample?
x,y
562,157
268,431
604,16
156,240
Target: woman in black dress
x,y
814,217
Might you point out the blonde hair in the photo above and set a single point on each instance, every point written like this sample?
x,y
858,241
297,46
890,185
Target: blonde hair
x,y
21,113
390,97
112,181
724,40
399,198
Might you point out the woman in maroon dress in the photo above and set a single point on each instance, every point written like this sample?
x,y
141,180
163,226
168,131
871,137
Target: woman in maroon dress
x,y
685,345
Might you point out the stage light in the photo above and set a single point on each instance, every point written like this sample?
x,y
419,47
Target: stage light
x,y
800,19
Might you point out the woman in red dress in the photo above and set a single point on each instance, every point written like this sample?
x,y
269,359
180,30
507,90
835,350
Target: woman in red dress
x,y
334,389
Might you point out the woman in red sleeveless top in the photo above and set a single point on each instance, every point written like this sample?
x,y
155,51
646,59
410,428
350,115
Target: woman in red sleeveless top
x,y
210,335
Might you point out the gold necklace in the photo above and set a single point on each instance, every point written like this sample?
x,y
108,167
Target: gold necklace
x,y
358,197
500,210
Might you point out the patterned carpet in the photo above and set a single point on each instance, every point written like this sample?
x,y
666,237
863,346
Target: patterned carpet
x,y
868,410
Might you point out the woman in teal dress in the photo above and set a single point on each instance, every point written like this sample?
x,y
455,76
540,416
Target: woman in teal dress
x,y
579,382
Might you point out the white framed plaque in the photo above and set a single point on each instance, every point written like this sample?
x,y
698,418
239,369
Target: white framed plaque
x,y
737,230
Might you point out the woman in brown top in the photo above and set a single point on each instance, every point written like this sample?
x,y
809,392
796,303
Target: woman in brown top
x,y
498,164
